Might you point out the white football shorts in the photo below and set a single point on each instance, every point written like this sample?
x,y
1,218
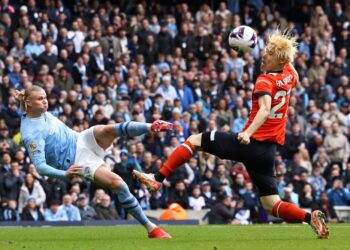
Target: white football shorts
x,y
89,154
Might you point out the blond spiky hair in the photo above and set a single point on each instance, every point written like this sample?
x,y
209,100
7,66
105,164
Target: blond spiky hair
x,y
283,44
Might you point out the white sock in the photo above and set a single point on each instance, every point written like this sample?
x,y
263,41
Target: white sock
x,y
150,226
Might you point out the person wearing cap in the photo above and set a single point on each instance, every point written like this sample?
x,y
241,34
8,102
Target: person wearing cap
x,y
86,211
53,213
60,152
31,211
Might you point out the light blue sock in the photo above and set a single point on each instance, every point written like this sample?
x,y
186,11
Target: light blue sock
x,y
129,202
131,129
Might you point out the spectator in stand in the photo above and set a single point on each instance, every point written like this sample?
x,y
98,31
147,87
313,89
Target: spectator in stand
x,y
338,195
222,212
6,143
289,195
144,196
317,181
196,201
184,93
12,182
326,207
337,145
238,186
293,142
8,211
208,195
63,81
166,89
111,47
104,210
67,208
31,211
240,122
307,199
251,201
31,187
222,175
47,57
53,213
316,70
319,21
86,211
179,195
241,214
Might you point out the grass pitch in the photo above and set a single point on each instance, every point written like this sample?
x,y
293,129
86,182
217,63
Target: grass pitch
x,y
250,237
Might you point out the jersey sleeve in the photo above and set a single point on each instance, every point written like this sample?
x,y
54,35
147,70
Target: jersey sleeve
x,y
36,149
263,86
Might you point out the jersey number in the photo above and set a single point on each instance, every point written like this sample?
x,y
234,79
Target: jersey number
x,y
283,94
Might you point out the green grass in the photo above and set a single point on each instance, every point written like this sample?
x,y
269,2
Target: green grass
x,y
250,237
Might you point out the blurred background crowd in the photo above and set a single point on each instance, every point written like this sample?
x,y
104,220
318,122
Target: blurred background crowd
x,y
106,61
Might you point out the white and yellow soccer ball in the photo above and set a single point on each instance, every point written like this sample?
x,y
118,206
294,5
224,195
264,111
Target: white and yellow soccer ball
x,y
242,38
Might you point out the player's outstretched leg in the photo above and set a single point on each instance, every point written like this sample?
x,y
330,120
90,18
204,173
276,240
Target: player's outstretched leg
x,y
128,201
179,156
291,213
131,129
106,134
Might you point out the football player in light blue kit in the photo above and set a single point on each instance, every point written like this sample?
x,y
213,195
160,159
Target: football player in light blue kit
x,y
58,151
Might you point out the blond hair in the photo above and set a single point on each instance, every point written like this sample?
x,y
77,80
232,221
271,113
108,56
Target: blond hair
x,y
24,94
284,45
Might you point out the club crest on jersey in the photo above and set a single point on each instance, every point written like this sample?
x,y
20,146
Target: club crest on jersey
x,y
33,146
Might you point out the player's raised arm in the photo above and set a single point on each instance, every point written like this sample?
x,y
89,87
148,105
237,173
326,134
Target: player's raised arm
x,y
261,116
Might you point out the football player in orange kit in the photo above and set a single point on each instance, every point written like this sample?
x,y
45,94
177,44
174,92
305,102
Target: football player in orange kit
x,y
256,145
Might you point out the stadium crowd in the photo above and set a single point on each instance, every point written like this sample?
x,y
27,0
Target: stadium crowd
x,y
102,62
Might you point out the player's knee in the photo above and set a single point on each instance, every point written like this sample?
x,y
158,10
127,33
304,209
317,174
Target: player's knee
x,y
195,140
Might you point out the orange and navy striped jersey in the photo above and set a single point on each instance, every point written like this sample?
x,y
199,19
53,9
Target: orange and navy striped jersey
x,y
278,85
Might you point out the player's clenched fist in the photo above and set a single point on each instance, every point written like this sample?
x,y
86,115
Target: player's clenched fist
x,y
243,138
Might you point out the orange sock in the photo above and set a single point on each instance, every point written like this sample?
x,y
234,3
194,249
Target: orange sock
x,y
178,157
289,212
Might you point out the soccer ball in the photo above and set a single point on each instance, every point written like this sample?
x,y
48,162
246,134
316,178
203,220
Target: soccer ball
x,y
242,38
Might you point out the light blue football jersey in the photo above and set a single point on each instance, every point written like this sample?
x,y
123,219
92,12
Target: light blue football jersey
x,y
50,143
